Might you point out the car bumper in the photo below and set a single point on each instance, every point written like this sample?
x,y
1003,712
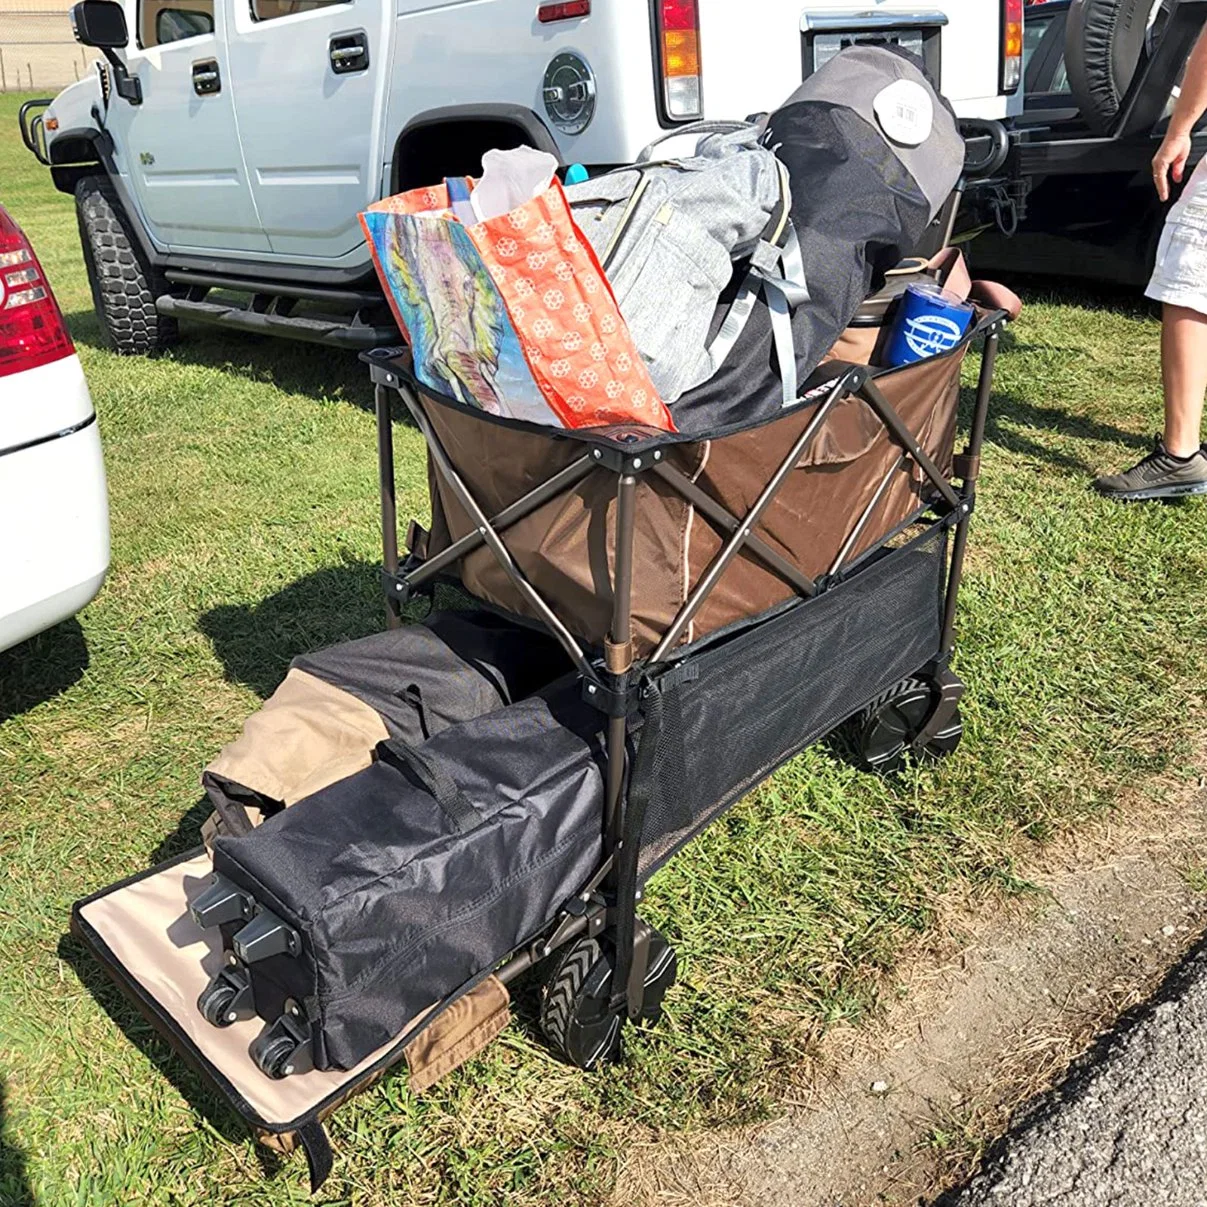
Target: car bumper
x,y
54,552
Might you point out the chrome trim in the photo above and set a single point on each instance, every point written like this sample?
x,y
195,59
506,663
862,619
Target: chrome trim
x,y
858,22
67,431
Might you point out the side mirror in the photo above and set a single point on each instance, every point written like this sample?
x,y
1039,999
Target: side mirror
x,y
100,23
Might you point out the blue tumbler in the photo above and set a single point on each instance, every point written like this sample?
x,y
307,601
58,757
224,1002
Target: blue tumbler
x,y
929,322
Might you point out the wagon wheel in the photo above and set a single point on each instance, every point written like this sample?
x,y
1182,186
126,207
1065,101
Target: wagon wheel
x,y
576,1016
884,734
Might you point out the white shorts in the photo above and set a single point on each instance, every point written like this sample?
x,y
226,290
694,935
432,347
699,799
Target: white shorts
x,y
1180,274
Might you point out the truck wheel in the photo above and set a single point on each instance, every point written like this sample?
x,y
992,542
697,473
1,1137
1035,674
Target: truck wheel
x,y
1105,42
124,285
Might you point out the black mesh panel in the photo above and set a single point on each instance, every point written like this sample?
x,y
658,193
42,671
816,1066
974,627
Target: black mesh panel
x,y
737,710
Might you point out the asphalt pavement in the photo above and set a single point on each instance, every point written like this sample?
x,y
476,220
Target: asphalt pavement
x,y
1128,1125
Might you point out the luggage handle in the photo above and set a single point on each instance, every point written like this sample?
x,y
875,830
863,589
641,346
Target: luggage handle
x,y
704,127
435,779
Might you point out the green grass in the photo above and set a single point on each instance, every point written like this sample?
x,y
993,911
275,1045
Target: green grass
x,y
245,531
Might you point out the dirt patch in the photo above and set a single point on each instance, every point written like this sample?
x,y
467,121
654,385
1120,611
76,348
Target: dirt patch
x,y
897,1111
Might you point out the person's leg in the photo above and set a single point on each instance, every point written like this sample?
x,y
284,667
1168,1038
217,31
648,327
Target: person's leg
x,y
1184,374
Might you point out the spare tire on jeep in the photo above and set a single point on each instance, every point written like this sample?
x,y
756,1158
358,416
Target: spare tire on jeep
x,y
1105,42
124,283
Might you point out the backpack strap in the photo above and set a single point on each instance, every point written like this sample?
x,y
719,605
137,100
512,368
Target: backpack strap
x,y
704,127
777,272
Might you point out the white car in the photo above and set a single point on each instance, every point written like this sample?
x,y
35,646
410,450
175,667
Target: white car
x,y
54,511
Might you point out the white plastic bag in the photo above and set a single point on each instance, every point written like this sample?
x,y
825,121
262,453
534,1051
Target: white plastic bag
x,y
511,179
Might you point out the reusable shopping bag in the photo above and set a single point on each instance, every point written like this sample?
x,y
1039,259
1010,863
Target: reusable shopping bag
x,y
513,315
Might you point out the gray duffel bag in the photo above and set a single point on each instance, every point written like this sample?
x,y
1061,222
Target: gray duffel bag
x,y
667,234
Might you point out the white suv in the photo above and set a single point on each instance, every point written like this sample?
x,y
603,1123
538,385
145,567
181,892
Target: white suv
x,y
54,512
220,159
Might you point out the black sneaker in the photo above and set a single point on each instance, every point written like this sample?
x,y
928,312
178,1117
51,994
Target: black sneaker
x,y
1160,475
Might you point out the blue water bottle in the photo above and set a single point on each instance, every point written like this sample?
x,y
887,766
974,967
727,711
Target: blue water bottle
x,y
929,322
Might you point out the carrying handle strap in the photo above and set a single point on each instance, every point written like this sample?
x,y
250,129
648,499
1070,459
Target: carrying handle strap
x,y
435,779
704,127
312,1136
784,290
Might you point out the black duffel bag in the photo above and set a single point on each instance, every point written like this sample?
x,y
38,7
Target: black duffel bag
x,y
396,886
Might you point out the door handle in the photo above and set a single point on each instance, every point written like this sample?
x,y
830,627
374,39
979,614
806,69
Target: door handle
x,y
349,52
206,80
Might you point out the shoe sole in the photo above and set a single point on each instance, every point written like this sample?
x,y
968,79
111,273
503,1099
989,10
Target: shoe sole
x,y
1155,493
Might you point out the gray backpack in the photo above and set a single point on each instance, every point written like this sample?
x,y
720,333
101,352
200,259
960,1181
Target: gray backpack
x,y
667,234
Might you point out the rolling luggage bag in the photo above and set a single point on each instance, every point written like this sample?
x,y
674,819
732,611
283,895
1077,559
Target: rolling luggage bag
x,y
449,855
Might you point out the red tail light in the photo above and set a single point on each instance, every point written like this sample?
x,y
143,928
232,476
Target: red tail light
x,y
32,331
548,13
679,48
1012,45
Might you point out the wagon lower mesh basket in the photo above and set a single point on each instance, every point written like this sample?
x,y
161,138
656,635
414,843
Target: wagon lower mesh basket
x,y
731,714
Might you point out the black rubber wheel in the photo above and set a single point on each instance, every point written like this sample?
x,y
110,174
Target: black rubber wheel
x,y
576,1017
215,1003
884,734
124,285
273,1054
1105,43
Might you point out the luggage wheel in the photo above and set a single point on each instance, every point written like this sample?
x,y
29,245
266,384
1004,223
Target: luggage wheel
x,y
228,997
918,718
283,1047
576,1016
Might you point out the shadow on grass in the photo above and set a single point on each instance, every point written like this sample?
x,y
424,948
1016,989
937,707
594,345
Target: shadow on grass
x,y
292,366
255,643
1009,414
14,1189
39,669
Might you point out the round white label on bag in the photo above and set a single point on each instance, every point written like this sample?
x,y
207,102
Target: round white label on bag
x,y
905,112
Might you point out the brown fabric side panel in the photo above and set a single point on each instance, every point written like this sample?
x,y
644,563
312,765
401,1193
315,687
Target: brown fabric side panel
x,y
856,346
307,735
819,504
466,1028
566,547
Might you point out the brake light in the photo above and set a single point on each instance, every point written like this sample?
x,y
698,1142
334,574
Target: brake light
x,y
32,331
1012,45
564,11
679,46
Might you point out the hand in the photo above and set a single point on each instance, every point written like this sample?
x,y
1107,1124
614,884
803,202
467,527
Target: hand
x,y
1170,160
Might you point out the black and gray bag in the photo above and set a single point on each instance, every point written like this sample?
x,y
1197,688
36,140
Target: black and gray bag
x,y
348,914
335,705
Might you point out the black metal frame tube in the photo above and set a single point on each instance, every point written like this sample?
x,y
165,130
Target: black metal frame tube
x,y
620,655
712,510
465,497
870,393
389,498
563,480
868,511
972,454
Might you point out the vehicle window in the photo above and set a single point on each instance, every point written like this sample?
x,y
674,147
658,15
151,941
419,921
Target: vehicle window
x,y
268,10
1060,78
162,21
1034,29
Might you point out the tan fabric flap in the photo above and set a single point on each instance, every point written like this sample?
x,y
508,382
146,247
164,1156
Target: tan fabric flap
x,y
148,928
467,1027
307,735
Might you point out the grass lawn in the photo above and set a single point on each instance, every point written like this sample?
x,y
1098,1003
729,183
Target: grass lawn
x,y
243,495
